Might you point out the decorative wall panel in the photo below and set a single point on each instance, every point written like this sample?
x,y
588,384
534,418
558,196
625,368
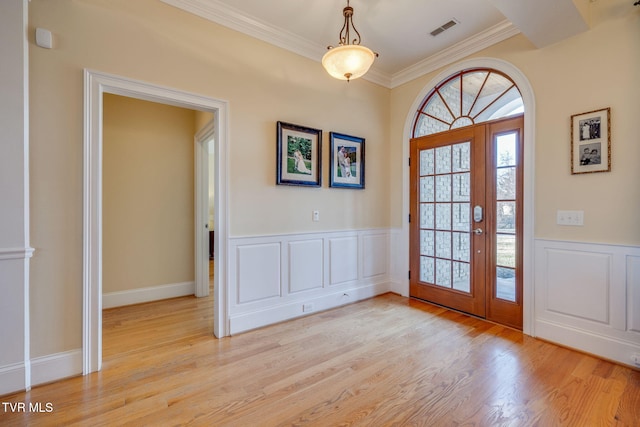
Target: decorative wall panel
x,y
633,290
375,255
343,253
578,284
587,296
279,277
305,265
258,272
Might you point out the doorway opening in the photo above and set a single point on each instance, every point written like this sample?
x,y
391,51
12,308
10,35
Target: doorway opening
x,y
97,84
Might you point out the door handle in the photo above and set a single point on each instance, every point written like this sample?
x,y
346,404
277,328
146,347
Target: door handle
x,y
478,231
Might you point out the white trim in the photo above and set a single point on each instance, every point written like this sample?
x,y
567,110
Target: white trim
x,y
602,346
251,320
56,366
95,84
489,37
16,253
262,270
27,191
230,17
12,378
606,322
148,294
201,196
529,172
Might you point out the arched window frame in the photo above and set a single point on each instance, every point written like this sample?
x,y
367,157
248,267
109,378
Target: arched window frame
x,y
459,116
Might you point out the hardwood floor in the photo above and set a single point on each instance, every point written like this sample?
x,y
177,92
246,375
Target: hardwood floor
x,y
381,362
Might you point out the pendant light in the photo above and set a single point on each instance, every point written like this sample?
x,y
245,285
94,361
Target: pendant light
x,y
349,60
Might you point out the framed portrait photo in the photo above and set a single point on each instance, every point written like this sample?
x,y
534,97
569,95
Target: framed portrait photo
x,y
346,161
591,142
298,156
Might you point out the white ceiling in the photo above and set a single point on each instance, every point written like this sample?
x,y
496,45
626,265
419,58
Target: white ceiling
x,y
399,30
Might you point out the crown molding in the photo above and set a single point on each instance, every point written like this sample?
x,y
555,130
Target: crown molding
x,y
476,43
225,15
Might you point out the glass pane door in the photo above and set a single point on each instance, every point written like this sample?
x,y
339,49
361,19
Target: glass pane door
x,y
505,233
447,181
504,299
445,206
465,243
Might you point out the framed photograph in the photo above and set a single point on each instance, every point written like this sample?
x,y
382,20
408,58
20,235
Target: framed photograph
x,y
298,155
346,165
591,142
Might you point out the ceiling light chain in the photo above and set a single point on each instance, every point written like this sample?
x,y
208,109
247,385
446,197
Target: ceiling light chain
x,y
349,60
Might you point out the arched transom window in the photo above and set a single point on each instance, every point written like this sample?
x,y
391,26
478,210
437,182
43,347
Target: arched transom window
x,y
466,98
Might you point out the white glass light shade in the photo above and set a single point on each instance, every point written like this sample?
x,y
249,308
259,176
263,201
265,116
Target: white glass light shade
x,y
348,61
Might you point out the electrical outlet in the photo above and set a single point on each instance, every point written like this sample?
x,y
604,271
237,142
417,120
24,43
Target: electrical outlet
x,y
316,216
573,218
635,358
306,308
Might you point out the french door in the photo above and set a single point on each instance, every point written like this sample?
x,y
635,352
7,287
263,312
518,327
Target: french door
x,y
466,220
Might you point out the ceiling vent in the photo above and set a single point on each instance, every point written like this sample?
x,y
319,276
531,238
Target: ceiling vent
x,y
444,27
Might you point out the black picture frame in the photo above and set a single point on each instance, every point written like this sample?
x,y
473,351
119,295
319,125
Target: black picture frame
x,y
299,154
346,161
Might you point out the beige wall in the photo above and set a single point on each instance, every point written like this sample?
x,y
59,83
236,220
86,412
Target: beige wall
x,y
148,194
593,70
153,42
150,41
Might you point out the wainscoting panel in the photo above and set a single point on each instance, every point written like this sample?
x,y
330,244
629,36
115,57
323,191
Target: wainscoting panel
x,y
633,284
15,369
375,258
587,296
305,265
343,253
258,272
319,271
578,284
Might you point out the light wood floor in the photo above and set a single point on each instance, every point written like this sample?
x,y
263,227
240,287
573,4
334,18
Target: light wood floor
x,y
388,361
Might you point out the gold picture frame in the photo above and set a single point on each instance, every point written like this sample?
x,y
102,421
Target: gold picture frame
x,y
591,142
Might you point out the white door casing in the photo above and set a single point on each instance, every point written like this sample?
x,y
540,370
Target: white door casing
x,y
95,84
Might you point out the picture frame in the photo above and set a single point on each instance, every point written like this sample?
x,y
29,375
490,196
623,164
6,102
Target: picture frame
x,y
591,142
346,161
299,154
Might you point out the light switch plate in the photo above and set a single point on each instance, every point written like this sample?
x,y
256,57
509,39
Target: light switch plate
x,y
572,218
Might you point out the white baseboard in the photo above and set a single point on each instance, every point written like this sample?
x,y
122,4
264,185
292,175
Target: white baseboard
x,y
247,321
153,293
55,367
606,347
12,378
